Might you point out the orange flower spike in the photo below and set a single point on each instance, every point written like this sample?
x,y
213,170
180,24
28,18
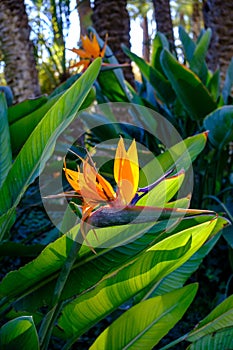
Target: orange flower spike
x,y
90,50
91,46
72,177
126,172
93,187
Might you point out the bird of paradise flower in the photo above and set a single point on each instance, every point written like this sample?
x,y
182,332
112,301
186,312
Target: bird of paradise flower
x,y
90,51
97,193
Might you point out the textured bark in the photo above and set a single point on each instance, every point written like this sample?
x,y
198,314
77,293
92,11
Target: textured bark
x,y
112,17
146,39
197,19
218,15
18,53
85,14
162,12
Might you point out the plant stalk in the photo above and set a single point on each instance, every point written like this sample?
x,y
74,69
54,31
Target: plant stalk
x,y
49,319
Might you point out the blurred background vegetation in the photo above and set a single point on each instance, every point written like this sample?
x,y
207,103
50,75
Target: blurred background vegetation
x,y
182,69
33,35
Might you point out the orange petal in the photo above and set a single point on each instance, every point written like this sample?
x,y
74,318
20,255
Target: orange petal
x,y
73,178
104,188
126,172
81,53
84,63
91,46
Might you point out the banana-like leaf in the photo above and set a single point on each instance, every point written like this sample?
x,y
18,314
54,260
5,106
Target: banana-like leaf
x,y
222,339
163,192
111,82
213,85
178,277
187,43
159,43
145,324
220,136
21,128
179,156
40,275
24,108
191,92
220,318
161,85
5,150
226,91
19,333
197,63
114,290
42,141
26,286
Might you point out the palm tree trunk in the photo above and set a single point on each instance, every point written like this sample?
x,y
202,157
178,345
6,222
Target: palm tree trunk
x,y
18,53
196,19
85,13
146,39
112,17
218,16
162,13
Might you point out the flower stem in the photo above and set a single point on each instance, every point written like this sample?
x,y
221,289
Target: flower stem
x,y
56,304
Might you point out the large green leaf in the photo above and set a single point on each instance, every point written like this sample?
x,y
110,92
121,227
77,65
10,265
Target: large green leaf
x,y
178,277
49,261
5,150
222,339
26,286
21,128
111,87
159,43
24,108
114,290
145,324
42,141
220,126
110,82
221,317
179,156
161,85
19,333
190,90
187,43
197,62
163,192
226,91
213,84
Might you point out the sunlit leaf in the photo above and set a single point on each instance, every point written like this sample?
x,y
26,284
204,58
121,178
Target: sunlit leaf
x,y
179,156
145,324
222,339
19,333
155,263
221,317
42,141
